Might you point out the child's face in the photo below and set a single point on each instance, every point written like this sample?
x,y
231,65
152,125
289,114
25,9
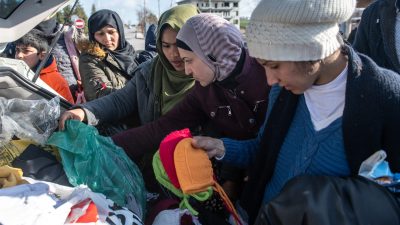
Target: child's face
x,y
29,55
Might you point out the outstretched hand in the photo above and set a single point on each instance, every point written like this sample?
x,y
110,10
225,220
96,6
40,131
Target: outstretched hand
x,y
74,114
214,147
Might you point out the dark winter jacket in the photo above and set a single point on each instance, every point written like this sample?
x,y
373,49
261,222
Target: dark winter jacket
x,y
235,112
376,34
136,97
101,74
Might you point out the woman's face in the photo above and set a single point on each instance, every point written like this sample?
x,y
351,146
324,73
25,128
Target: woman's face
x,y
296,77
168,43
108,36
194,66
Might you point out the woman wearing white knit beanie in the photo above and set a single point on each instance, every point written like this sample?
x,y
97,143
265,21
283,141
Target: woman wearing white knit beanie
x,y
330,109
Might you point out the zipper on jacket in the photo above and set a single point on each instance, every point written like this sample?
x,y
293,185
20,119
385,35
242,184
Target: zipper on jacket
x,y
257,103
228,107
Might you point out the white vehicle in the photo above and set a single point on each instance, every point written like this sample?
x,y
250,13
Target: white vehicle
x,y
16,19
139,35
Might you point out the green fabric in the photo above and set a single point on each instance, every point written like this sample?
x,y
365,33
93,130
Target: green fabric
x,y
163,179
94,160
170,86
162,176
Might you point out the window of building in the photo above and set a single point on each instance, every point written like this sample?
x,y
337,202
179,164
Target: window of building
x,y
216,5
226,4
235,4
237,13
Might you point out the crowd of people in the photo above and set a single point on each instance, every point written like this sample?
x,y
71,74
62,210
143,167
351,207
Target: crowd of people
x,y
286,115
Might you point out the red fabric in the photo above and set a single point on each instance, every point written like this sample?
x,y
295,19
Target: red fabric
x,y
89,216
53,78
167,148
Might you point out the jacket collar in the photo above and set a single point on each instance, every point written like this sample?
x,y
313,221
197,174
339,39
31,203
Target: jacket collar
x,y
50,66
239,73
355,63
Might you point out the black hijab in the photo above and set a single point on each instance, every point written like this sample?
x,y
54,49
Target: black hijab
x,y
124,53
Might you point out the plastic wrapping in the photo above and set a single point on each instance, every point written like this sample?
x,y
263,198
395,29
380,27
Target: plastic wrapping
x,y
94,160
28,119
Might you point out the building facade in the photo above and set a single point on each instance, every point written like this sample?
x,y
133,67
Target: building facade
x,y
228,9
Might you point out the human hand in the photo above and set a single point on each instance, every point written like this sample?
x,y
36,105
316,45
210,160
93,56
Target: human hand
x,y
74,114
214,147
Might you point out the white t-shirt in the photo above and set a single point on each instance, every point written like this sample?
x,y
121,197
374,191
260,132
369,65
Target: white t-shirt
x,y
326,102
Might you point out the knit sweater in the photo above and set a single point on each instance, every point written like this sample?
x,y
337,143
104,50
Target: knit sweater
x,y
307,151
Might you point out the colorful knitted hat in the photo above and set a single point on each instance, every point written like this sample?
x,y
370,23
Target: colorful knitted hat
x,y
167,148
195,174
193,168
163,179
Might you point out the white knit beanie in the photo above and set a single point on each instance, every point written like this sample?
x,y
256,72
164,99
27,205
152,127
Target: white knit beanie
x,y
217,42
297,30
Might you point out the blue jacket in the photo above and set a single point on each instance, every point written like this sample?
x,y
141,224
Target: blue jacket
x,y
376,34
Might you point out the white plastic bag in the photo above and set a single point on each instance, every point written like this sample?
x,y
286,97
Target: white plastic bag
x,y
28,119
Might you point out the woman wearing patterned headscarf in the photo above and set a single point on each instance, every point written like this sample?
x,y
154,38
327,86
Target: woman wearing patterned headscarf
x,y
330,109
229,106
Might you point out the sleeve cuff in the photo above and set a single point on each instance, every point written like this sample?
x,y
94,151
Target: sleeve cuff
x,y
221,157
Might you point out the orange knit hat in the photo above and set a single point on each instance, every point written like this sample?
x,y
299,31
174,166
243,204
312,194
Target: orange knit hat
x,y
193,167
195,173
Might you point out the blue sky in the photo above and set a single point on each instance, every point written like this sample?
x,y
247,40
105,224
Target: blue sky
x,y
127,9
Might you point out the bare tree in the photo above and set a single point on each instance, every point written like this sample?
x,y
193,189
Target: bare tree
x,y
93,9
149,18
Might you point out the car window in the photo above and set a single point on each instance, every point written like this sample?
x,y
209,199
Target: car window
x,y
8,6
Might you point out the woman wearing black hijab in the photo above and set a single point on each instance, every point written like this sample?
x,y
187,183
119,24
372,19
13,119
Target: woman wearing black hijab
x,y
108,60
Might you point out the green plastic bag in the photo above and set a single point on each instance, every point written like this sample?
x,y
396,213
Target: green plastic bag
x,y
94,160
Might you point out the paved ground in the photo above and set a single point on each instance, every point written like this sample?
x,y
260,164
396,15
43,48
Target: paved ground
x,y
138,44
